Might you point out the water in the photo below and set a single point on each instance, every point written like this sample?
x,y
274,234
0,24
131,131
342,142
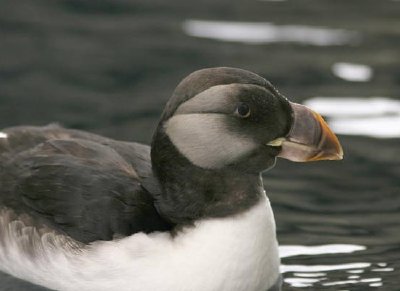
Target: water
x,y
109,67
265,33
320,276
352,72
374,116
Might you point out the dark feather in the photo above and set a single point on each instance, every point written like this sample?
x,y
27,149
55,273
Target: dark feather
x,y
84,185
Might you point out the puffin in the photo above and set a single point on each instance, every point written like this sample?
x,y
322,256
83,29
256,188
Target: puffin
x,y
79,211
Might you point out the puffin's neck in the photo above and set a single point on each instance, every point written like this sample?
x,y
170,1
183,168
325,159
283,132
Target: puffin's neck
x,y
190,193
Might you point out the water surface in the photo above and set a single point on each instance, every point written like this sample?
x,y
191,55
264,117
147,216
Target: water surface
x,y
109,67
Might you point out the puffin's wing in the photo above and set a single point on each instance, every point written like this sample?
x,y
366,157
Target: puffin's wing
x,y
81,187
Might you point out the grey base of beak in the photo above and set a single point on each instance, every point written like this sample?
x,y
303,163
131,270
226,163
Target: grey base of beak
x,y
309,139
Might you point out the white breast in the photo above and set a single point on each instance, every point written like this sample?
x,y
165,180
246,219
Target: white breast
x,y
238,253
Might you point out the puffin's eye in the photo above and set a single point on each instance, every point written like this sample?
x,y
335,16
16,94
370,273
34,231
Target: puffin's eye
x,y
243,110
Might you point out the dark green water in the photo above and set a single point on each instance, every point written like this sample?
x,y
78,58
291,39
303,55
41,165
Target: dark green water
x,y
109,67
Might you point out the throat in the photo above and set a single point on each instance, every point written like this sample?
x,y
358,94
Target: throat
x,y
191,193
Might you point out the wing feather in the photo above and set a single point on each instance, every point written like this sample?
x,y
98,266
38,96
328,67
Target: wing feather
x,y
87,188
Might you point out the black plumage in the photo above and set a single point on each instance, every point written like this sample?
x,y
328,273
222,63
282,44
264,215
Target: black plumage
x,y
95,188
61,189
87,186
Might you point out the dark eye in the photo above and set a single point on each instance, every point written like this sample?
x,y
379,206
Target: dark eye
x,y
243,110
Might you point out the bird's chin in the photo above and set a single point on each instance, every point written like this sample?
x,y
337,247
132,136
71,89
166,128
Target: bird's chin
x,y
261,159
268,159
271,163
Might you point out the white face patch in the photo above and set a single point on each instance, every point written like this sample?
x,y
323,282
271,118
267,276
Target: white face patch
x,y
216,98
3,135
206,140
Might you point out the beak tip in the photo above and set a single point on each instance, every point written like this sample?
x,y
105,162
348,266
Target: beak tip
x,y
332,152
338,157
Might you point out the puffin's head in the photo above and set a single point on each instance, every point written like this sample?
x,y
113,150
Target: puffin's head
x,y
227,118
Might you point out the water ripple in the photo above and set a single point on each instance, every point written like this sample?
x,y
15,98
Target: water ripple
x,y
352,72
265,33
323,268
295,250
327,275
375,117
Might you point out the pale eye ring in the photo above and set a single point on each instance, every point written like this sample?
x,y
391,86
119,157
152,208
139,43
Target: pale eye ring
x,y
243,110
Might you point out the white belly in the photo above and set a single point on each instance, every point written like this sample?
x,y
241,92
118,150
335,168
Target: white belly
x,y
232,254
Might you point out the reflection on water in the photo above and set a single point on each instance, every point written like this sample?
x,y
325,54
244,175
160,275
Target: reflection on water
x,y
317,275
264,32
323,268
376,117
347,282
301,282
320,275
295,250
352,72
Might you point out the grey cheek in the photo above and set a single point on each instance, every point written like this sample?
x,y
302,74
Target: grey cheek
x,y
215,99
206,141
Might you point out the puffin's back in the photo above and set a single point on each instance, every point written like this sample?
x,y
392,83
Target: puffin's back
x,y
87,186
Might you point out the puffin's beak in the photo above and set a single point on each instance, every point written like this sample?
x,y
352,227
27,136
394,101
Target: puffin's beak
x,y
309,139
